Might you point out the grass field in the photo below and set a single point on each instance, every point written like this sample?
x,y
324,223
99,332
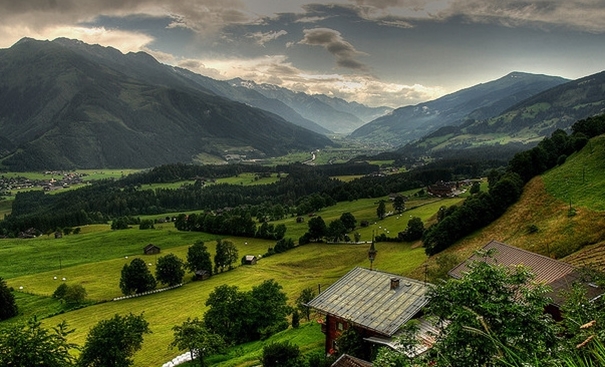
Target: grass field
x,y
311,265
581,180
94,258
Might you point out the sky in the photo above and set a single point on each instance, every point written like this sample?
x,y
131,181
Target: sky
x,y
376,52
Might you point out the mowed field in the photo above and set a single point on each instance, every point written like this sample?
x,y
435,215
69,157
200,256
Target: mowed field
x,y
95,257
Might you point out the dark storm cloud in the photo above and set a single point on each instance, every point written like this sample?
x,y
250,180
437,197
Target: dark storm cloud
x,y
344,52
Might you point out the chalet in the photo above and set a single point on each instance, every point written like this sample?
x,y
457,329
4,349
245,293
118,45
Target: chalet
x,y
346,360
250,260
151,249
376,304
442,189
559,276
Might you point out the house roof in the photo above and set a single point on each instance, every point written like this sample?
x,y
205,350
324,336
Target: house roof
x,y
150,246
346,360
426,336
556,274
364,297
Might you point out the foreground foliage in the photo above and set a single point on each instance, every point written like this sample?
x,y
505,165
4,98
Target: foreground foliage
x,y
8,306
29,344
491,300
113,342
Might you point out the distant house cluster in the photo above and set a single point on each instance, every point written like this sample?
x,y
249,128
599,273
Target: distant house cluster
x,y
58,180
443,189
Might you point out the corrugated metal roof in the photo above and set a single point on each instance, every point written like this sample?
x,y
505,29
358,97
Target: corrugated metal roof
x,y
556,274
545,269
364,297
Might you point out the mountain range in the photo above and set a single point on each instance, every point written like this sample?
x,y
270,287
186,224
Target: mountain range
x,y
68,104
410,123
523,124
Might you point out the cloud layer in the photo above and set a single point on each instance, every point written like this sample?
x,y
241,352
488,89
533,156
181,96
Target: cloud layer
x,y
372,51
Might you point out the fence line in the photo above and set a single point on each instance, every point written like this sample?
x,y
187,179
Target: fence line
x,y
147,293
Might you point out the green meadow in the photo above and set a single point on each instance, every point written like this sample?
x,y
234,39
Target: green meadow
x,y
580,181
94,258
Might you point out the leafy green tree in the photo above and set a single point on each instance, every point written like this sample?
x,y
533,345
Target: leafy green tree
x,y
492,308
317,228
114,342
198,258
336,230
306,295
136,278
295,319
169,270
280,231
227,306
282,354
29,344
270,308
414,230
349,221
75,294
60,291
226,255
381,210
146,224
8,306
192,335
119,223
399,204
244,316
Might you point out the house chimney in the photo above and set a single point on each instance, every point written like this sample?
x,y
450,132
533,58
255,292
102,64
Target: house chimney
x,y
394,283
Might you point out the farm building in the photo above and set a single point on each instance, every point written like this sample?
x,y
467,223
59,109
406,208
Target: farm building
x,y
376,304
151,249
250,260
201,275
559,276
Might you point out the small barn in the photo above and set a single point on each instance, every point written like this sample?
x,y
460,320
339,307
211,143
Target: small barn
x,y
151,249
250,260
201,275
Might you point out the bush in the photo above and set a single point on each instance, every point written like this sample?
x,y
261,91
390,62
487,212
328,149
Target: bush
x,y
282,355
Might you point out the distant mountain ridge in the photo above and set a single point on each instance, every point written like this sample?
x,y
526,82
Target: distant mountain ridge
x,y
67,104
334,114
523,124
409,123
